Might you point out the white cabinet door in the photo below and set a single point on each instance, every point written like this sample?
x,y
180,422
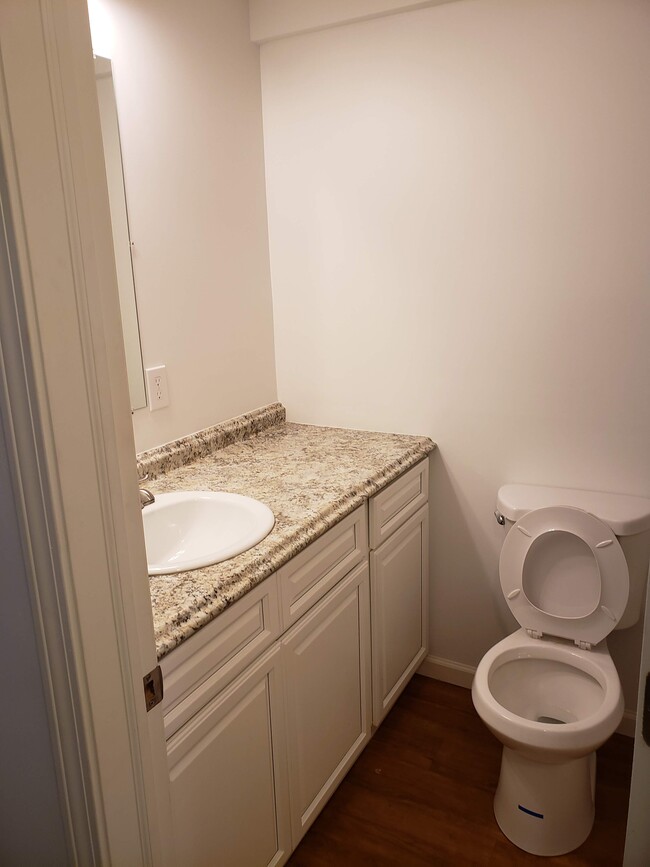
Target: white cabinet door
x,y
228,775
399,589
326,659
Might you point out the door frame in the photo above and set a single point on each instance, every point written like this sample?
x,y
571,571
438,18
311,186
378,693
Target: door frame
x,y
65,412
637,839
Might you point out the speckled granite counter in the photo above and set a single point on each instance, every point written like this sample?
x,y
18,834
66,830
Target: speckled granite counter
x,y
310,477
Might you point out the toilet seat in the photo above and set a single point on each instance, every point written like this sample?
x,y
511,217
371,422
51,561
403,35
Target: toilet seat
x,y
563,573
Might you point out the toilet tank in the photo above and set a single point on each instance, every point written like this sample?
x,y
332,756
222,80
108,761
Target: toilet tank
x,y
628,516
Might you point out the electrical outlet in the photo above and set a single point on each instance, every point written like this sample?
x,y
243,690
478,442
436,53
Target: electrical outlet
x,y
157,387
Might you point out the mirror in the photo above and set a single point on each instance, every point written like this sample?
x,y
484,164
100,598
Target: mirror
x,y
121,239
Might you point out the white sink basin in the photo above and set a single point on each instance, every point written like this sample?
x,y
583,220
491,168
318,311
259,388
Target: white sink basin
x,y
191,529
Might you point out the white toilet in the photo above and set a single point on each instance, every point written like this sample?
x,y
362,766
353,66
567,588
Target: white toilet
x,y
573,567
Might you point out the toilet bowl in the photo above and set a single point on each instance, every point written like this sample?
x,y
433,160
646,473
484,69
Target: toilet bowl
x,y
550,691
551,705
552,701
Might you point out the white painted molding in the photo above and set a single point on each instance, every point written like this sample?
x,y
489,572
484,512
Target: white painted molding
x,y
460,674
274,19
64,407
448,671
30,448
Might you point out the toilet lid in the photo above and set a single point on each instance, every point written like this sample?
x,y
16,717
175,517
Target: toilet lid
x,y
563,573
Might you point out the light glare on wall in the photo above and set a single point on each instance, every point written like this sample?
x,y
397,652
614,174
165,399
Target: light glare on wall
x,y
101,29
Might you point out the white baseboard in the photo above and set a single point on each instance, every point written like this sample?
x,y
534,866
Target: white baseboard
x,y
450,672
462,675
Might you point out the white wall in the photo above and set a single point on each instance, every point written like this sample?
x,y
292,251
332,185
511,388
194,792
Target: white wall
x,y
272,19
187,87
459,214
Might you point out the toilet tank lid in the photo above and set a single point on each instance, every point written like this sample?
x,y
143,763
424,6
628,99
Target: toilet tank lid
x,y
624,513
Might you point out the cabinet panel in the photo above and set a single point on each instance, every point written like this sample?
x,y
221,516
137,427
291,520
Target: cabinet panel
x,y
204,664
327,666
310,574
390,508
400,592
226,766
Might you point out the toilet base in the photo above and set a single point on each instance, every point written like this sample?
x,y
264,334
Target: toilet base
x,y
545,809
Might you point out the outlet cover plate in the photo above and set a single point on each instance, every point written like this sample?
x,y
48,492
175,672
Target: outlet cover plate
x,y
157,387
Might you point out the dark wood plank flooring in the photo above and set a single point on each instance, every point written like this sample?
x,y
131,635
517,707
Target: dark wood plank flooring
x,y
421,794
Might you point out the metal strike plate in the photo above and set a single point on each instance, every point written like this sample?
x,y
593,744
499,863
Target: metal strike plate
x,y
645,728
153,688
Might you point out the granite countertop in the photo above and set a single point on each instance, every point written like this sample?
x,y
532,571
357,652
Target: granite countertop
x,y
310,477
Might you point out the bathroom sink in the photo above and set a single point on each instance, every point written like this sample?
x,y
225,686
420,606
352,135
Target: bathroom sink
x,y
191,529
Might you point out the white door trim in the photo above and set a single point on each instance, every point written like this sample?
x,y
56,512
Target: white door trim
x,y
637,840
66,418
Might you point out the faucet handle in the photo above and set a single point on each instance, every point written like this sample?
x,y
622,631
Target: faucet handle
x,y
144,478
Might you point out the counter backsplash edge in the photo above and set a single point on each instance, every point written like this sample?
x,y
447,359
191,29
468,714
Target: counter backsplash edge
x,y
160,460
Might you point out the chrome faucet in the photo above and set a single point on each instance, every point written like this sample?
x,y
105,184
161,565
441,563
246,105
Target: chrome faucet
x,y
146,497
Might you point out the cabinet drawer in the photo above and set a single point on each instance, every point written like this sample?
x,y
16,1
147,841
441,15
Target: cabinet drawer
x,y
390,508
205,663
310,574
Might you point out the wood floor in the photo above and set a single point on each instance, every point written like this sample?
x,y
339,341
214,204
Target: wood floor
x,y
421,794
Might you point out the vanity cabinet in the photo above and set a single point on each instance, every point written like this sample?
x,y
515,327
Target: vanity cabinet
x,y
267,706
399,585
203,665
228,778
309,575
326,659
